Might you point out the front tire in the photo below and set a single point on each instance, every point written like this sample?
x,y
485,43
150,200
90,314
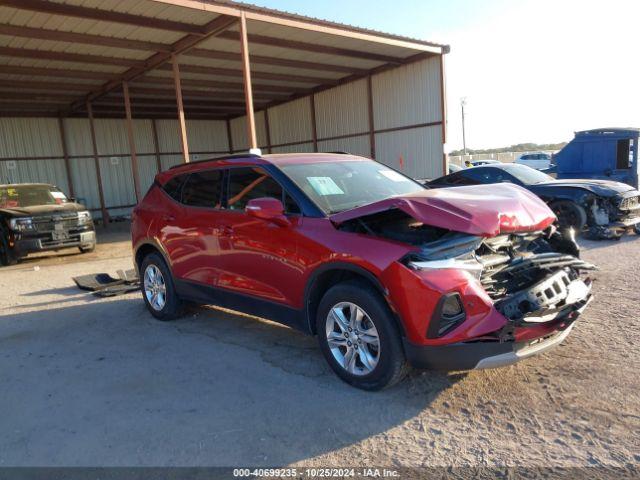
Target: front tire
x,y
359,338
570,215
87,249
6,255
158,290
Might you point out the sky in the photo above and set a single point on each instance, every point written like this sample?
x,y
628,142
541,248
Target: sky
x,y
530,70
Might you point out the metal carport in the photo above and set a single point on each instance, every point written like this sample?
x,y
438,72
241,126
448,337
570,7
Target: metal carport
x,y
98,95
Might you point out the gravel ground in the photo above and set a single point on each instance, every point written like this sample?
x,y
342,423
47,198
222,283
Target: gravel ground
x,y
86,381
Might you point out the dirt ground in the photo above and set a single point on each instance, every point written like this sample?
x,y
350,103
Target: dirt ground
x,y
86,381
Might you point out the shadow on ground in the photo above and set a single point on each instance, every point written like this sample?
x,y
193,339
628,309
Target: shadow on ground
x,y
597,244
102,383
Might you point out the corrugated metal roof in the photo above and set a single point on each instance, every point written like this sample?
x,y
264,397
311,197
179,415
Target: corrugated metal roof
x,y
287,55
317,21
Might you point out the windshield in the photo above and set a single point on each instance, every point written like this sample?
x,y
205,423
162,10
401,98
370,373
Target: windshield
x,y
340,186
16,196
527,175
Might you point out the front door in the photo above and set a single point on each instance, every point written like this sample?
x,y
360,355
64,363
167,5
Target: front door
x,y
258,257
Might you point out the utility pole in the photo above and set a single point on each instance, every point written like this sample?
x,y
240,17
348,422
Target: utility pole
x,y
463,102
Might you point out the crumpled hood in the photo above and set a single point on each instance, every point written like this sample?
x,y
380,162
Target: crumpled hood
x,y
602,188
42,210
483,210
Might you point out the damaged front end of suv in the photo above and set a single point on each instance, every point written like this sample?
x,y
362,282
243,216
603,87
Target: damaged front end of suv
x,y
489,279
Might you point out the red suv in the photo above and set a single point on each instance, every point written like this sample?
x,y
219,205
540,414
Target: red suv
x,y
385,272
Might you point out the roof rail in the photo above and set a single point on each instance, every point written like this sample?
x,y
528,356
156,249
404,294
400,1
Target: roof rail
x,y
213,159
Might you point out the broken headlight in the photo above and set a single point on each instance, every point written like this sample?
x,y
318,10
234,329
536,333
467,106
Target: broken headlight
x,y
471,265
24,224
456,251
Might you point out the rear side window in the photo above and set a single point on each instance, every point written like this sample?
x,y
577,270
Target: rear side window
x,y
461,178
486,175
174,187
203,189
250,183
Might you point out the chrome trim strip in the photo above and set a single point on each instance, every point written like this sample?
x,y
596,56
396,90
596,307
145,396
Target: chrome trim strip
x,y
510,358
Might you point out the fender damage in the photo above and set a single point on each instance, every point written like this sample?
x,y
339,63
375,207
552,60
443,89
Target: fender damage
x,y
503,284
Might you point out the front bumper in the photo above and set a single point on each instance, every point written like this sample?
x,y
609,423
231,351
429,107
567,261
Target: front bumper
x,y
483,354
44,241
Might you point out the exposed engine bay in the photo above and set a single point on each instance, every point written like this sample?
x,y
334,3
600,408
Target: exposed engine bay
x,y
532,277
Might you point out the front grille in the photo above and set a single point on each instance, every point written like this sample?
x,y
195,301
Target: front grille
x,y
71,241
629,203
48,223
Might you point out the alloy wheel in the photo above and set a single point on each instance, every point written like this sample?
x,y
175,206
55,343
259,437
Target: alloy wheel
x,y
352,338
155,288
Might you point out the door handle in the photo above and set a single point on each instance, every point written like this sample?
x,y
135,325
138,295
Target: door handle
x,y
226,230
168,218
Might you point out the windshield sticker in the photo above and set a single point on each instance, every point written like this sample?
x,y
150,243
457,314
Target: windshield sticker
x,y
393,176
58,195
325,186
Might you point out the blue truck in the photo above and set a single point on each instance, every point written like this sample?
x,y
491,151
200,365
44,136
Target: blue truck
x,y
603,153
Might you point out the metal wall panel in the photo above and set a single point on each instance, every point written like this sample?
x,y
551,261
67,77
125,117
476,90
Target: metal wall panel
x,y
78,136
207,136
291,122
355,145
36,171
420,149
29,137
117,181
168,136
169,161
112,137
239,132
407,95
85,183
301,148
147,168
342,110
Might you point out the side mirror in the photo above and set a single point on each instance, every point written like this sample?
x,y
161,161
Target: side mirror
x,y
270,209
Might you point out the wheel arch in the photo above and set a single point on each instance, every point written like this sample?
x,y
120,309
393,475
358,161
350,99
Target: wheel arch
x,y
328,275
145,248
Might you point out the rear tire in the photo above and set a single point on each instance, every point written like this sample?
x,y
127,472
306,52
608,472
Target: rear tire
x,y
375,364
158,290
570,214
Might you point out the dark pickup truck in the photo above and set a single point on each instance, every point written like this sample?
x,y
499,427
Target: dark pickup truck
x,y
36,217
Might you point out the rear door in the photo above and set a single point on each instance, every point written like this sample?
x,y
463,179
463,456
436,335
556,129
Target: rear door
x,y
258,257
198,240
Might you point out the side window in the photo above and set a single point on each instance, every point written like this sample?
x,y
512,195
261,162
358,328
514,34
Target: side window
x,y
174,187
462,178
624,153
486,175
249,183
203,189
